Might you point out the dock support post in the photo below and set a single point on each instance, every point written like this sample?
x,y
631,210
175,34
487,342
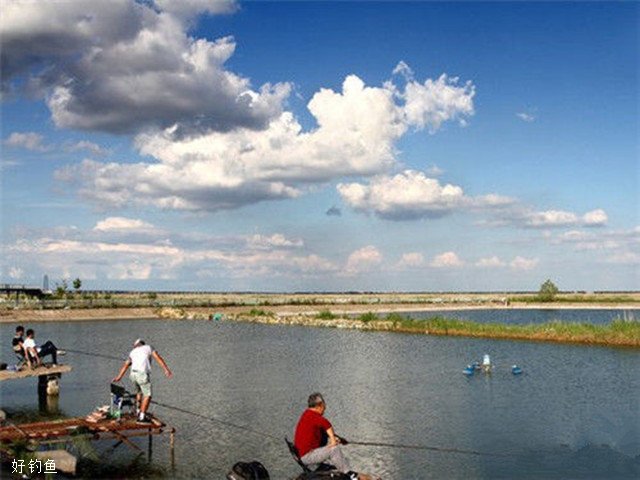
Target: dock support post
x,y
172,444
150,452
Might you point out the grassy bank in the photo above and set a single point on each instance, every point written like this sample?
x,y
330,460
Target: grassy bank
x,y
620,332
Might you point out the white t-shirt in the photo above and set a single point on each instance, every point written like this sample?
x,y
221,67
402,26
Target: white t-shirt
x,y
141,358
30,343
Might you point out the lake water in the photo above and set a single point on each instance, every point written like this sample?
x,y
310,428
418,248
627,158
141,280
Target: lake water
x,y
574,413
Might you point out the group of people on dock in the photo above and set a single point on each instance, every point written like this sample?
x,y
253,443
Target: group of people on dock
x,y
27,350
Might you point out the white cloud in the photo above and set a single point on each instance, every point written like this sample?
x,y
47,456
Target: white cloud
x,y
16,273
490,262
522,263
116,250
525,117
446,260
363,260
624,258
28,140
411,195
595,218
277,240
551,218
85,145
355,135
411,260
526,217
121,224
429,104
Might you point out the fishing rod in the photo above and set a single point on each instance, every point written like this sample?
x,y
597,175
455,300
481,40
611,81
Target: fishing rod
x,y
424,447
93,354
179,409
278,439
217,420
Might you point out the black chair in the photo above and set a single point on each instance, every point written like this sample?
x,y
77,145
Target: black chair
x,y
121,398
322,467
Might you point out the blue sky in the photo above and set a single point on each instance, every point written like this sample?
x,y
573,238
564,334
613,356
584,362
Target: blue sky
x,y
216,145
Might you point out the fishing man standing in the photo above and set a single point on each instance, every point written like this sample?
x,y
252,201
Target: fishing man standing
x,y
140,362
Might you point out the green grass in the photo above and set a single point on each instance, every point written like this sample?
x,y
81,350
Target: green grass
x,y
258,312
326,315
623,332
368,317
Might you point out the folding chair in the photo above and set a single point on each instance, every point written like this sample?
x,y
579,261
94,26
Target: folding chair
x,y
322,467
120,398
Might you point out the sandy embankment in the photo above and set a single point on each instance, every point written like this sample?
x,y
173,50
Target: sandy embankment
x,y
96,314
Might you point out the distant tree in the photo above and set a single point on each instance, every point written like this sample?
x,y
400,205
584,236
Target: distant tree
x,y
77,283
62,287
547,292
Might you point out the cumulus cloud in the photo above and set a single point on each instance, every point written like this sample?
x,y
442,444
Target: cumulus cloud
x,y
355,135
277,240
595,218
430,104
122,66
411,195
490,262
523,216
363,260
623,241
411,260
27,140
446,260
522,263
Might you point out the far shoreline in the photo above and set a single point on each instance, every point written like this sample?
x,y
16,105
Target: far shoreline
x,y
202,313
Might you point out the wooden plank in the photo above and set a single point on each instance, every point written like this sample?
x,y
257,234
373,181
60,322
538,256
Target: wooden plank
x,y
36,372
41,431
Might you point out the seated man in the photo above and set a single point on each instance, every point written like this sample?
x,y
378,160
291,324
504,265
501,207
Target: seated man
x,y
17,344
309,437
35,353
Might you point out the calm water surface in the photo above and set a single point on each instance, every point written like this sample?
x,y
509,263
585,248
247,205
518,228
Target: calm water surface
x,y
574,413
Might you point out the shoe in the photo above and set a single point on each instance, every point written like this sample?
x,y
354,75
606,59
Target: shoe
x,y
144,420
61,352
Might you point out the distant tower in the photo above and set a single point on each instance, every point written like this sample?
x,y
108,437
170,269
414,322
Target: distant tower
x,y
45,283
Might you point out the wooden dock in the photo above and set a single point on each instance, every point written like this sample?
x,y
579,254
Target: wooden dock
x,y
65,431
27,372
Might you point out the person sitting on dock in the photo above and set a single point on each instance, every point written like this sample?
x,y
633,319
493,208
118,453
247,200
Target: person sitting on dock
x,y
140,362
17,344
34,354
315,439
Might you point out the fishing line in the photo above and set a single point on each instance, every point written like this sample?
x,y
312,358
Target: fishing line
x,y
93,354
217,420
279,439
424,447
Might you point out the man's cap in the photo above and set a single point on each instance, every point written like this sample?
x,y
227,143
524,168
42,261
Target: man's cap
x,y
139,341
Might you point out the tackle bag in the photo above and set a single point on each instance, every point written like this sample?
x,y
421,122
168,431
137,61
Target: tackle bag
x,y
248,471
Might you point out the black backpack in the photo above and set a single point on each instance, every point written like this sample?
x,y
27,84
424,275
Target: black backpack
x,y
248,471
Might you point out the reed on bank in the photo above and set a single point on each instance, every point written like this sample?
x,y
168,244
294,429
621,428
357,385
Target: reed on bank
x,y
620,332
